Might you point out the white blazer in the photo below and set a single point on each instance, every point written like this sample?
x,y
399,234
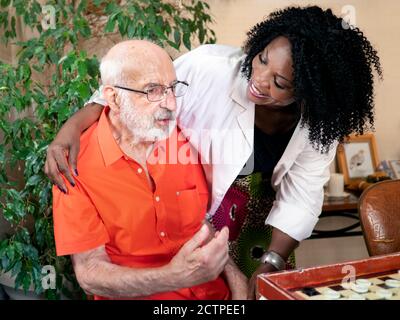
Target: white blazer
x,y
219,120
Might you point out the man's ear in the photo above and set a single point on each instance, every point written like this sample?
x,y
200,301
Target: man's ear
x,y
110,95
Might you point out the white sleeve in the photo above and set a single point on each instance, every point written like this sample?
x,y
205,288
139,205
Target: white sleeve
x,y
97,97
300,194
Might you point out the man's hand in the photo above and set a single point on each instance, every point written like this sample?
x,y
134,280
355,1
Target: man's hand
x,y
263,268
237,281
196,263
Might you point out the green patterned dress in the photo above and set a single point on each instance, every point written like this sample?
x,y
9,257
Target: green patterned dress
x,y
247,203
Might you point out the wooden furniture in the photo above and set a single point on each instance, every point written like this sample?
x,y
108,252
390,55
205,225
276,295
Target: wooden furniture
x,y
289,285
379,210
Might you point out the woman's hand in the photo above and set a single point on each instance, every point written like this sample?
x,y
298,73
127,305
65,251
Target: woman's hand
x,y
63,152
62,156
281,244
263,268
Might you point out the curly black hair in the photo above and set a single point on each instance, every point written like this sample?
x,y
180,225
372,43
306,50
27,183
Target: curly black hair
x,y
332,61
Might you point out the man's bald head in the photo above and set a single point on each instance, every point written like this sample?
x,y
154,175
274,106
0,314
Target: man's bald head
x,y
129,60
128,71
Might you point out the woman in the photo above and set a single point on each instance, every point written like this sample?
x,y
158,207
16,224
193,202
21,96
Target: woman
x,y
303,83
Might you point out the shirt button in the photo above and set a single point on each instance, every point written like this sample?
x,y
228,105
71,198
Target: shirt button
x,y
177,193
157,198
162,234
139,170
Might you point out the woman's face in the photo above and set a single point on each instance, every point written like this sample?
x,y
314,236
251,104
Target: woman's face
x,y
272,75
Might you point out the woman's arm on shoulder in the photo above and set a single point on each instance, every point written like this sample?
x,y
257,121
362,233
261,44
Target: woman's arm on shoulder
x,y
62,153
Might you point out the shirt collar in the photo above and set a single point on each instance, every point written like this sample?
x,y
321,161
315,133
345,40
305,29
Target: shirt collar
x,y
109,148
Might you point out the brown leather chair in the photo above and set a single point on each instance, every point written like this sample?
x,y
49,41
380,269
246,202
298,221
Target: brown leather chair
x,y
379,210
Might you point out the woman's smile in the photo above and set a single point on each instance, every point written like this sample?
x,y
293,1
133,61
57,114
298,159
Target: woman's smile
x,y
256,93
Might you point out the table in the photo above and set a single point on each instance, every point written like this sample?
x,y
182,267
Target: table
x,y
290,285
341,207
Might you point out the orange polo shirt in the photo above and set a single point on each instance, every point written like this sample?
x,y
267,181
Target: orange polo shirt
x,y
112,204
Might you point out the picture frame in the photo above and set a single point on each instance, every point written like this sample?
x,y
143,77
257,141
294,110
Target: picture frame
x,y
357,157
395,165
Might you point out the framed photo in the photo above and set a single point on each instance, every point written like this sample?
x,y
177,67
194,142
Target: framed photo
x,y
395,164
357,157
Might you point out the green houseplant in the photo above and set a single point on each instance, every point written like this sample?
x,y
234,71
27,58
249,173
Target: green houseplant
x,y
52,78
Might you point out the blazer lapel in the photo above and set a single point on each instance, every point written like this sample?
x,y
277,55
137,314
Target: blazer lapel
x,y
245,118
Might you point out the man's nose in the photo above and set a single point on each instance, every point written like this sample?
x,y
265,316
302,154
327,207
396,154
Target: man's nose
x,y
169,101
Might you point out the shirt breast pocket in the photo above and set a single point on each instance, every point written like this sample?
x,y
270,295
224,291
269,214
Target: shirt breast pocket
x,y
191,210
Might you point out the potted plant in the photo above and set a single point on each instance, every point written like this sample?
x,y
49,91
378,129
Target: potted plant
x,y
53,76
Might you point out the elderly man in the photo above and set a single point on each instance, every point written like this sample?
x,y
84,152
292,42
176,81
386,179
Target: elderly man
x,y
135,228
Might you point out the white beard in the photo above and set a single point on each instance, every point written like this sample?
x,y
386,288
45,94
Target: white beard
x,y
142,126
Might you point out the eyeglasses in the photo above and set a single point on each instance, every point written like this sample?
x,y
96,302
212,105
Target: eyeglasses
x,y
158,92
